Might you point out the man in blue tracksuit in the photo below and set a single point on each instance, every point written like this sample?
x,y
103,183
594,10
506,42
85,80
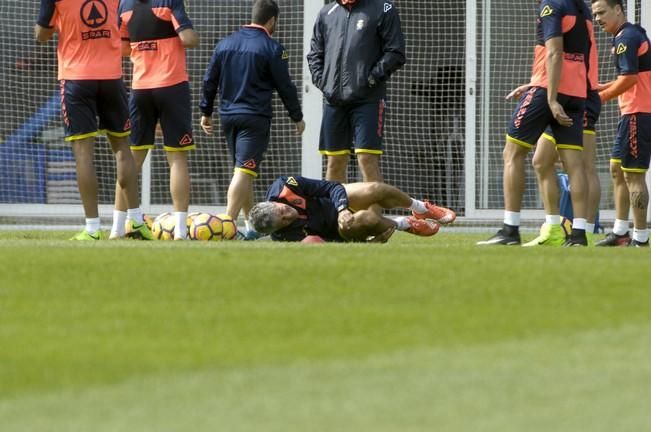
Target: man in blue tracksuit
x,y
356,46
245,68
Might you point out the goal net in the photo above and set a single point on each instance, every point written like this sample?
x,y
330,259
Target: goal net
x,y
429,151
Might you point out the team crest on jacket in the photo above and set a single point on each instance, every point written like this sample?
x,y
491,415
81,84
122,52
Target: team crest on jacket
x,y
547,11
387,7
292,181
621,49
360,25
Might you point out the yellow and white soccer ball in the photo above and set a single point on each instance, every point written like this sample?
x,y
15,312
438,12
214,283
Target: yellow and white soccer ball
x,y
229,229
205,226
163,226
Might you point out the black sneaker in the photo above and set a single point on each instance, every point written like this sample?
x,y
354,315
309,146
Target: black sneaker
x,y
577,238
507,236
613,239
635,243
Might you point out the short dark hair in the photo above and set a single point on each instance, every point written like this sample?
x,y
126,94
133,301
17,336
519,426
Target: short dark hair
x,y
263,11
612,3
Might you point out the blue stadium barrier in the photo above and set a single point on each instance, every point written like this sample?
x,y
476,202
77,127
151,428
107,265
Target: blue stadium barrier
x,y
22,162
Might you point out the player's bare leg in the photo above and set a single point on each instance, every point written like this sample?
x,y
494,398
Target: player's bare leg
x,y
84,150
544,164
240,195
574,165
337,168
122,204
514,175
180,190
639,199
369,166
620,235
594,186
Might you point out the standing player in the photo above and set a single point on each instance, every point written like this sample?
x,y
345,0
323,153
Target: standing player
x,y
556,99
155,34
90,75
356,46
632,150
297,207
546,156
245,68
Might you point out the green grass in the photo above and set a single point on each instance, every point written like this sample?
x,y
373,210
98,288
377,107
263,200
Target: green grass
x,y
414,335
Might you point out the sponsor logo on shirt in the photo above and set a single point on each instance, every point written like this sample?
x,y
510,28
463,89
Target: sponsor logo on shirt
x,y
96,34
621,48
546,11
360,25
94,13
387,7
147,46
292,181
284,55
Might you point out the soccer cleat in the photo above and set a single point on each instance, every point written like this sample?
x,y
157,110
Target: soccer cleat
x,y
613,239
637,243
590,237
139,232
422,227
84,235
550,235
507,236
576,239
441,215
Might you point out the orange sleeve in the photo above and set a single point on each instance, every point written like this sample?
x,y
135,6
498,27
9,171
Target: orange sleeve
x,y
618,87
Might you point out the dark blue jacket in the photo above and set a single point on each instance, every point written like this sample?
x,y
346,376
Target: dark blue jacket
x,y
246,67
354,51
318,203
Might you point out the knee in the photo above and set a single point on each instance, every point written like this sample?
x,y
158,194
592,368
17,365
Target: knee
x,y
616,173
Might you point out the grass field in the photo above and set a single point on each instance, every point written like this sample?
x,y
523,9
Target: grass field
x,y
415,335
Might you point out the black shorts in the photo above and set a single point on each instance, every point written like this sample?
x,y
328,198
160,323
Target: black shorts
x,y
590,118
247,136
532,116
633,142
172,106
84,101
358,124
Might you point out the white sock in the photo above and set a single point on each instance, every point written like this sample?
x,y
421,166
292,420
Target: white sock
x,y
181,227
92,225
135,215
512,218
641,235
579,223
589,228
248,226
418,206
553,219
119,218
402,224
620,227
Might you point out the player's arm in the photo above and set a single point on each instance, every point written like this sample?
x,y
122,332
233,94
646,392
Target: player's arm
x,y
554,66
316,56
124,33
393,46
44,28
282,81
183,25
628,65
209,91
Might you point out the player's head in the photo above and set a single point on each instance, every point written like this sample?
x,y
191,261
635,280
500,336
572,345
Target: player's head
x,y
265,13
609,14
268,217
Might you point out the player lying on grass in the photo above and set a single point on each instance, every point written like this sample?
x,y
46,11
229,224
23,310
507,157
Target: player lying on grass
x,y
297,207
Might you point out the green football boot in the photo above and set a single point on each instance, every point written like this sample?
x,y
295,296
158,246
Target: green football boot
x,y
138,232
550,235
84,235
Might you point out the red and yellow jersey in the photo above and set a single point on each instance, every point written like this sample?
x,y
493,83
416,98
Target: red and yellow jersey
x,y
152,27
564,18
89,37
632,53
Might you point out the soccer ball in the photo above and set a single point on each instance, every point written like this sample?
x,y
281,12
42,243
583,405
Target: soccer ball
x,y
149,221
566,224
229,229
205,226
163,226
190,217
